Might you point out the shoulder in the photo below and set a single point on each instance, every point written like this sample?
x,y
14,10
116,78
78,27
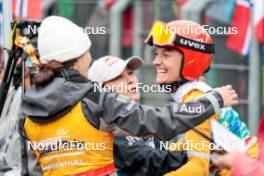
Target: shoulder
x,y
192,94
192,88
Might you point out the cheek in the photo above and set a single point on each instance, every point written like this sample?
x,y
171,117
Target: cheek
x,y
178,66
89,63
119,87
135,80
88,60
174,69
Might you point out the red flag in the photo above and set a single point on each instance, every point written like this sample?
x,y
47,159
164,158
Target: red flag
x,y
259,19
240,41
31,9
108,3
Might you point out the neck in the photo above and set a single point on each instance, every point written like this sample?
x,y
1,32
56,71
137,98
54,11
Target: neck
x,y
175,85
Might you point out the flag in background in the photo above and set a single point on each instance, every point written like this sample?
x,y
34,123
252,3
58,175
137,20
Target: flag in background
x,y
1,38
262,58
221,10
240,42
65,8
31,9
259,20
1,24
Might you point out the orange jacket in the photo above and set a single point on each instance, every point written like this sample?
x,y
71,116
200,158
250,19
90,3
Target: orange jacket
x,y
198,159
69,150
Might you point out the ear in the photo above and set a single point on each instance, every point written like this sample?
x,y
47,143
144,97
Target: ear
x,y
76,64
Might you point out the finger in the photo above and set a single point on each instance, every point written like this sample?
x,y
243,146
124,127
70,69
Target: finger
x,y
233,96
228,86
218,161
233,91
231,102
234,102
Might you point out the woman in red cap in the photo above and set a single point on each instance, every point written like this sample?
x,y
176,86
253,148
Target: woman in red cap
x,y
184,52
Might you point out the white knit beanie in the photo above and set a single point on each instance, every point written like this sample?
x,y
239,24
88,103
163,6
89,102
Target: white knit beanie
x,y
61,40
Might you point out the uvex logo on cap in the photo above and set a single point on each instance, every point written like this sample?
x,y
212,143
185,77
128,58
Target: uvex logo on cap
x,y
110,61
192,44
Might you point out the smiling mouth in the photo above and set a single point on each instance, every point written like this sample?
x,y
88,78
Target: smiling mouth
x,y
161,73
133,89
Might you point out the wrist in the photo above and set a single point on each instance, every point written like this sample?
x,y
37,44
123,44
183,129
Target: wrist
x,y
216,100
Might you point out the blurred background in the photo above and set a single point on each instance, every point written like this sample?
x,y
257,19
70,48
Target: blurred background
x,y
119,27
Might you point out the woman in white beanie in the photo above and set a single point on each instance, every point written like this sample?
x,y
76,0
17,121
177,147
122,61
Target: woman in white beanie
x,y
68,125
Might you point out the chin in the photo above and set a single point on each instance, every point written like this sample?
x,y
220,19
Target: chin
x,y
135,97
160,82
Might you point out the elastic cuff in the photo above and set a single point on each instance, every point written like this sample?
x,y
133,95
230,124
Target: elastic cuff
x,y
216,101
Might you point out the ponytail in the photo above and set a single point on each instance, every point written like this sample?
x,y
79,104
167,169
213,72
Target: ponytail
x,y
48,71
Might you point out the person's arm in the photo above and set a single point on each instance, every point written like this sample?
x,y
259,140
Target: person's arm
x,y
246,166
137,158
30,164
136,119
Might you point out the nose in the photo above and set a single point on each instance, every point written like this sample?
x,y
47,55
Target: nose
x,y
131,79
157,61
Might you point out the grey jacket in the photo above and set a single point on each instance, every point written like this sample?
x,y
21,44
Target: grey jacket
x,y
108,111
